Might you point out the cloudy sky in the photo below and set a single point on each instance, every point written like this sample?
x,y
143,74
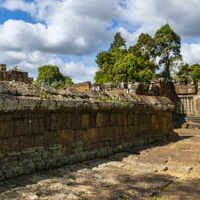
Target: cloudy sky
x,y
69,33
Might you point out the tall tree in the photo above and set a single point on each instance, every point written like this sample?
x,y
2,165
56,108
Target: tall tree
x,y
188,72
106,59
119,42
117,64
195,72
184,72
145,47
131,68
51,75
167,48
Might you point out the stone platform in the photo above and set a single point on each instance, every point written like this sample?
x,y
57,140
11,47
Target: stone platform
x,y
163,171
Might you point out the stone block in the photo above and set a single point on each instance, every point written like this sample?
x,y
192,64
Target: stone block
x,y
39,140
99,119
76,121
21,127
85,121
13,171
90,135
1,146
29,168
90,146
10,144
66,120
103,119
40,165
118,132
34,126
125,119
41,125
7,129
2,175
26,141
47,121
136,119
130,118
107,119
128,131
92,120
8,161
55,121
114,119
102,134
51,137
67,137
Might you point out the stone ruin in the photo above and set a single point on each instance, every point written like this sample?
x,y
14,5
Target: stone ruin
x,y
185,95
12,75
42,128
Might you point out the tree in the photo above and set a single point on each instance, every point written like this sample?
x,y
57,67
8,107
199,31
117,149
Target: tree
x,y
16,68
188,72
133,68
184,72
105,62
117,64
51,75
167,48
195,72
141,60
119,42
145,47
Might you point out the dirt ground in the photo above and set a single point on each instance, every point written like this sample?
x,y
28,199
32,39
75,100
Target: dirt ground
x,y
162,171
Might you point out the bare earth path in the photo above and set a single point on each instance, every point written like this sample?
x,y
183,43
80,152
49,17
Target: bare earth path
x,y
160,172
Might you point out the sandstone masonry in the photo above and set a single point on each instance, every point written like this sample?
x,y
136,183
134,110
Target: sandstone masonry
x,y
43,128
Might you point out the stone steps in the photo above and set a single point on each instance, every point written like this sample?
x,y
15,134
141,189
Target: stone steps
x,y
193,119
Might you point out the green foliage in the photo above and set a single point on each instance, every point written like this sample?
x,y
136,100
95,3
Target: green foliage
x,y
184,72
189,72
119,42
117,64
145,47
140,61
167,48
16,68
195,72
132,68
51,75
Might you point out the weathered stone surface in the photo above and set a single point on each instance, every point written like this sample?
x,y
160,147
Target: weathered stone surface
x,y
49,128
18,96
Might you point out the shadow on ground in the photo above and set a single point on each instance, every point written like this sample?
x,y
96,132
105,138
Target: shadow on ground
x,y
122,184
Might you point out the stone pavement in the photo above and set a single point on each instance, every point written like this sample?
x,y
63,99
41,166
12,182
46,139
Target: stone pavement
x,y
164,171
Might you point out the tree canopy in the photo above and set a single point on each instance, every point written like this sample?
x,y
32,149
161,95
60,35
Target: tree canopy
x,y
167,49
118,42
51,75
119,64
16,68
140,61
188,72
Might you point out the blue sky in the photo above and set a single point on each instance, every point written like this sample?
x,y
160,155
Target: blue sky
x,y
15,15
69,33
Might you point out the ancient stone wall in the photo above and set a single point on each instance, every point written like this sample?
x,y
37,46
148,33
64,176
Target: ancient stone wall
x,y
13,75
80,86
41,128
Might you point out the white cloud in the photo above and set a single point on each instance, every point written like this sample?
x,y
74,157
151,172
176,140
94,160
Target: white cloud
x,y
78,71
77,29
191,53
19,5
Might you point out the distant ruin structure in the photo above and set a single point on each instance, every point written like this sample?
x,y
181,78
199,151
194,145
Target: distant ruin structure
x,y
12,75
185,95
